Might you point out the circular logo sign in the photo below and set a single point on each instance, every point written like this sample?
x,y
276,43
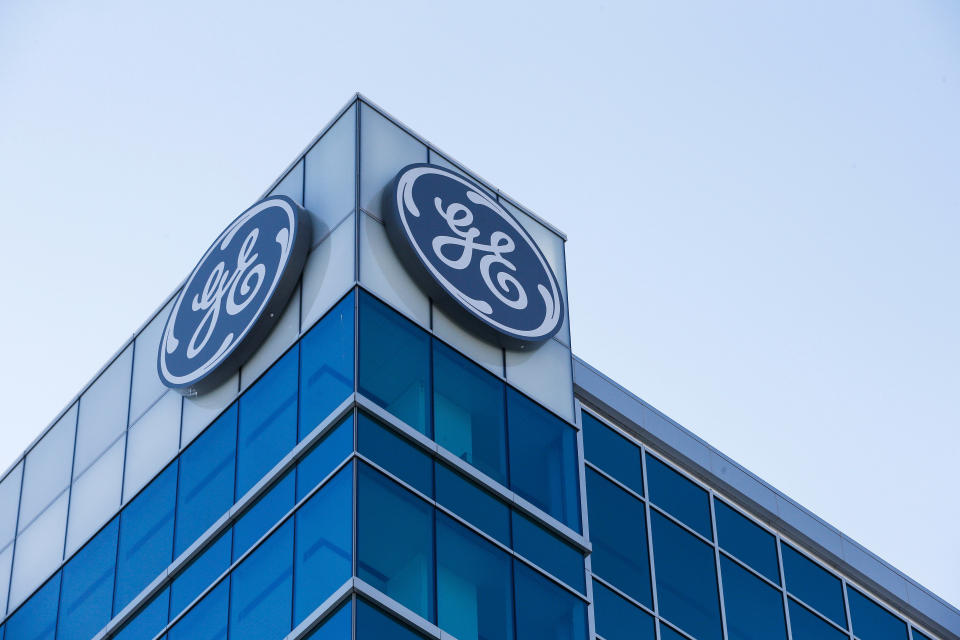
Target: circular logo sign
x,y
234,296
465,247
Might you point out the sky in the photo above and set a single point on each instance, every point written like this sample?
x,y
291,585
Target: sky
x,y
761,200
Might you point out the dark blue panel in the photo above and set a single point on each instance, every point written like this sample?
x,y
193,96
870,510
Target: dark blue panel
x,y
618,619
748,542
268,422
324,457
200,574
544,611
469,416
474,585
813,585
543,459
267,511
86,595
679,497
873,622
666,633
149,622
394,363
805,625
548,552
754,608
207,620
337,626
146,537
374,624
37,618
206,479
686,580
326,365
395,542
919,636
395,453
618,531
261,589
612,452
324,543
472,503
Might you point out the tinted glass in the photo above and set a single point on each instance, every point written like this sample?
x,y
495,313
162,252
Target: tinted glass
x,y
207,620
919,636
324,457
679,497
618,531
395,453
748,542
326,365
805,625
548,552
253,524
150,621
618,619
666,633
543,459
754,608
394,363
200,574
472,503
37,618
261,589
612,452
374,624
813,584
337,626
545,611
87,592
686,580
873,622
469,416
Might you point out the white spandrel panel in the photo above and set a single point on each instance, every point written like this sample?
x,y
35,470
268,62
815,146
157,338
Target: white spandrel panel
x,y
291,185
151,443
146,386
382,273
330,191
103,412
200,411
47,469
9,501
95,497
283,334
385,148
545,374
6,563
328,274
480,351
39,551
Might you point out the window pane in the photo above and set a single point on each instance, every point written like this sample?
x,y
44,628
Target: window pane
x,y
747,541
207,620
385,148
265,513
544,611
95,496
331,175
548,552
39,551
373,624
37,618
103,412
618,619
206,479
813,585
261,589
469,413
395,453
47,471
873,622
919,636
146,537
666,633
472,503
679,497
332,449
9,502
474,591
151,443
149,622
612,452
200,574
618,531
324,542
394,363
543,460
87,592
804,625
326,366
395,540
268,422
337,626
754,608
686,580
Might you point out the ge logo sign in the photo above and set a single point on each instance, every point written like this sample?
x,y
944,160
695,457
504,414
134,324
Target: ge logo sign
x,y
472,255
234,296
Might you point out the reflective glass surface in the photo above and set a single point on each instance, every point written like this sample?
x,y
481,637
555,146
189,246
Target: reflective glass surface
x,y
330,184
679,497
545,611
261,589
813,585
613,453
324,457
86,594
201,573
37,618
267,510
871,621
547,551
747,541
805,625
150,621
472,503
394,453
666,633
754,609
326,366
374,624
337,626
617,619
208,619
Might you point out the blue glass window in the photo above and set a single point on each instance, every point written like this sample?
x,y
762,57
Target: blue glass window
x,y
666,633
474,586
873,622
473,503
548,552
326,365
261,589
337,626
544,611
324,536
394,363
395,542
146,537
265,513
469,417
395,453
679,497
618,531
919,636
87,592
37,618
206,479
618,619
686,579
373,624
754,608
200,574
150,621
543,460
324,457
612,452
813,585
747,542
207,620
805,625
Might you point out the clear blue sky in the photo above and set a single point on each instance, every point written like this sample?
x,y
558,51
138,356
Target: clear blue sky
x,y
762,200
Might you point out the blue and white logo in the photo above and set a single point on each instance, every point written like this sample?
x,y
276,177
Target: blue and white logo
x,y
234,295
466,248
